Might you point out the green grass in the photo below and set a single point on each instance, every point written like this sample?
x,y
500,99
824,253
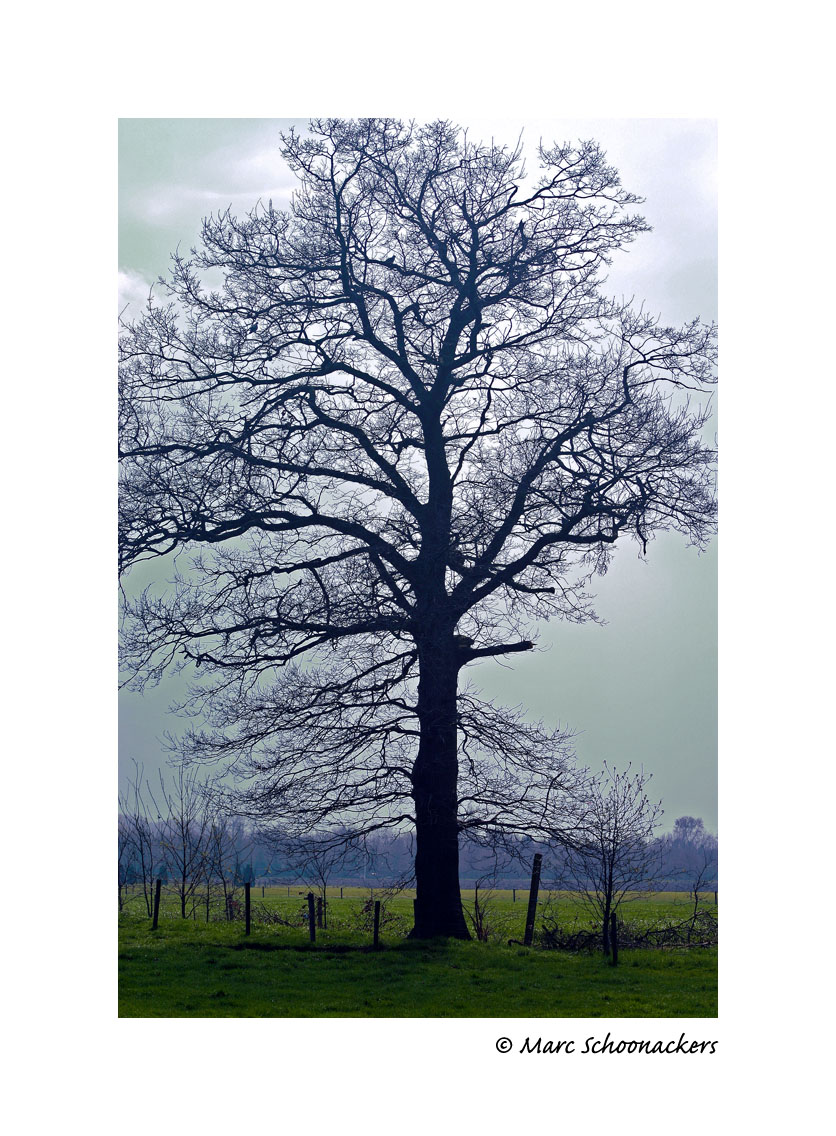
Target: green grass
x,y
189,968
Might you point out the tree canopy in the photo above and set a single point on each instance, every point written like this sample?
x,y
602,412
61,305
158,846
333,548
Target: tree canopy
x,y
406,425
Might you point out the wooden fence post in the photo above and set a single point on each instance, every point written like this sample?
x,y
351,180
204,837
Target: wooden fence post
x,y
156,904
532,900
311,917
376,923
246,908
341,893
262,891
614,939
514,893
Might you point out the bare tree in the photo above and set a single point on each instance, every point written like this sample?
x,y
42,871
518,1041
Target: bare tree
x,y
703,877
226,848
616,857
408,425
184,828
141,854
124,842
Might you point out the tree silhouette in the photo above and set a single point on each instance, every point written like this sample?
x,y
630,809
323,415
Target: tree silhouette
x,y
407,425
615,857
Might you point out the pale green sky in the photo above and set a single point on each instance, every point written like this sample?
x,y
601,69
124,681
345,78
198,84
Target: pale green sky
x,y
643,688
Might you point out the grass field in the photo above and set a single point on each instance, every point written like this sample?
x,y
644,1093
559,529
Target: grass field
x,y
191,968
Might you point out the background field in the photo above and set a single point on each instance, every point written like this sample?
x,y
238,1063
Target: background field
x,y
191,968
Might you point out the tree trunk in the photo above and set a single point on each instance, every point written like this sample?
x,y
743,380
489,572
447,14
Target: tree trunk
x,y
438,904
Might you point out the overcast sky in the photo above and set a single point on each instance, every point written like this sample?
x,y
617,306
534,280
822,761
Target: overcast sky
x,y
643,687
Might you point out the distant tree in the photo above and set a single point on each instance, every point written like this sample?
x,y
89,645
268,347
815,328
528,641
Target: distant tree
x,y
615,857
688,850
689,830
689,855
408,424
244,874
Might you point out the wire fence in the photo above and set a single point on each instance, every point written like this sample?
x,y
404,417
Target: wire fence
x,y
549,919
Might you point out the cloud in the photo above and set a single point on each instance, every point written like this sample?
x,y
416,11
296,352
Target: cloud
x,y
133,293
166,205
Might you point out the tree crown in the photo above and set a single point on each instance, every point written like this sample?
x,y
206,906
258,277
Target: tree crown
x,y
409,411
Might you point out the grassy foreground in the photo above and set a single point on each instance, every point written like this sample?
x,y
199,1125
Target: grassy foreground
x,y
188,968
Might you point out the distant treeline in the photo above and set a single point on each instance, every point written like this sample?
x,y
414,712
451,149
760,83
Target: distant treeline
x,y
386,859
